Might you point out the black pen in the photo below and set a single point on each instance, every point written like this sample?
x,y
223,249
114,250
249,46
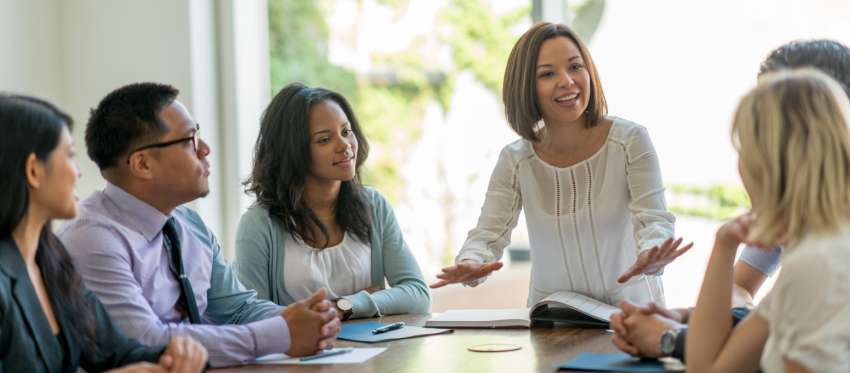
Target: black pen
x,y
388,327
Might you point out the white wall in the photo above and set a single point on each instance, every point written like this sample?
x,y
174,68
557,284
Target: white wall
x,y
74,52
112,43
30,51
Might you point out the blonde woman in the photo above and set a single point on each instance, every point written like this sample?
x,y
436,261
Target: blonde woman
x,y
589,183
791,133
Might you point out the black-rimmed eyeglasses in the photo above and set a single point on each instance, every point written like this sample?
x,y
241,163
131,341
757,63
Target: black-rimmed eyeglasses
x,y
195,138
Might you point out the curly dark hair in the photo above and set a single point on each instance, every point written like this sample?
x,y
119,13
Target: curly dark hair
x,y
282,162
34,126
828,56
125,118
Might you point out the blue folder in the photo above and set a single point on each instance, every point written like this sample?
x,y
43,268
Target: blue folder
x,y
362,332
614,362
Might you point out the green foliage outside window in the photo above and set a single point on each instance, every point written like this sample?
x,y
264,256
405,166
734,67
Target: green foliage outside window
x,y
717,201
390,102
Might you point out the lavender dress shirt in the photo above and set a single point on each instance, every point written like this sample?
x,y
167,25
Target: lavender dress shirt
x,y
116,243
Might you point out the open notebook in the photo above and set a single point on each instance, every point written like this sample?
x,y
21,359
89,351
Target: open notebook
x,y
561,307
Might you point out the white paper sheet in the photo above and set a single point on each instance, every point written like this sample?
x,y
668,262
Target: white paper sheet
x,y
356,356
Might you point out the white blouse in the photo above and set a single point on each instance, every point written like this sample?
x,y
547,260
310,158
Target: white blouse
x,y
343,269
808,308
586,223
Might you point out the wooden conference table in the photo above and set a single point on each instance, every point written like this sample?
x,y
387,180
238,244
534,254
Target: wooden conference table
x,y
542,348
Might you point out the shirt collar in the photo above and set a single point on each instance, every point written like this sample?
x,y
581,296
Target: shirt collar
x,y
135,213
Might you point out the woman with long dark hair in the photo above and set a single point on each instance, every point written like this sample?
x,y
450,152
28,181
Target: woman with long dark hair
x,y
49,322
314,225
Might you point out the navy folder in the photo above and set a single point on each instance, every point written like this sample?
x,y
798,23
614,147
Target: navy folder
x,y
612,362
362,332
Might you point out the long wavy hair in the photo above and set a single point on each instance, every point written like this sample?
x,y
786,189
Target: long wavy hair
x,y
34,126
791,133
282,161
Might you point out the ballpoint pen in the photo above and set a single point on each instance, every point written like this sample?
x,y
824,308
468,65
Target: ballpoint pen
x,y
320,355
388,327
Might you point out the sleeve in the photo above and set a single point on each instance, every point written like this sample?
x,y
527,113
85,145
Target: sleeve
x,y
653,223
253,253
502,205
114,349
766,262
229,302
808,313
101,256
6,324
408,292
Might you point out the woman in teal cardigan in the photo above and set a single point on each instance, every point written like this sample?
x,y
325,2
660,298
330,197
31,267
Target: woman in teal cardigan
x,y
314,225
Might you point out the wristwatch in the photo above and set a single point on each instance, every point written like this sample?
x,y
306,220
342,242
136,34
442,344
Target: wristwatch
x,y
346,307
668,341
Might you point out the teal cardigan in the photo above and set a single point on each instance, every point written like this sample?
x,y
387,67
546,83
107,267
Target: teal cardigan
x,y
260,256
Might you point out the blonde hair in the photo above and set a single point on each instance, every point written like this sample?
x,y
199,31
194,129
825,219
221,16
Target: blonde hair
x,y
519,89
791,133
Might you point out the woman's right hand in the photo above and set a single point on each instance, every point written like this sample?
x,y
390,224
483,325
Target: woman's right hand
x,y
184,355
734,232
465,271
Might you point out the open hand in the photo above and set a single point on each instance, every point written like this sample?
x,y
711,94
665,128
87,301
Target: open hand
x,y
465,271
653,260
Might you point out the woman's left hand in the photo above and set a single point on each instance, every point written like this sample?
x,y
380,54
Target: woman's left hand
x,y
653,260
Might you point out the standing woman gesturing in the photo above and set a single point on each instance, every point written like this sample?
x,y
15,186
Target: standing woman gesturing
x,y
589,183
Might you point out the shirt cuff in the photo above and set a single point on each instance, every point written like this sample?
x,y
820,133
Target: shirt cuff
x,y
481,256
270,336
363,305
648,244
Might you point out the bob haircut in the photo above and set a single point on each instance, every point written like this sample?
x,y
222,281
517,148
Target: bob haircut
x,y
519,91
791,133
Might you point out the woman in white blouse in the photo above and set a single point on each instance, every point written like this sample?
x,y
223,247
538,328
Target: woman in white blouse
x,y
590,184
792,137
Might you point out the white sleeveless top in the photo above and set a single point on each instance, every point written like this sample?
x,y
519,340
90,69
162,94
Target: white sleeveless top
x,y
343,269
586,223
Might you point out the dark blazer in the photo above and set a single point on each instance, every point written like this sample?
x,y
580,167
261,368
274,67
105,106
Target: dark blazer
x,y
28,345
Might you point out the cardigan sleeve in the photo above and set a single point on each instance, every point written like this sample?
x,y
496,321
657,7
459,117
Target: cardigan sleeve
x,y
502,205
408,292
253,248
652,222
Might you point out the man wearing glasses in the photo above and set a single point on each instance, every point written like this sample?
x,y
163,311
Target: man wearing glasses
x,y
153,262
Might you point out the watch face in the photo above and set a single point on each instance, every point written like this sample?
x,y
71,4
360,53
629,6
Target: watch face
x,y
668,342
344,304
